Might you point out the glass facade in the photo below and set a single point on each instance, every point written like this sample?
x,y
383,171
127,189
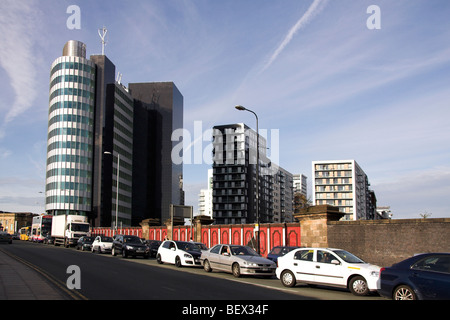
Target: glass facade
x,y
70,135
122,156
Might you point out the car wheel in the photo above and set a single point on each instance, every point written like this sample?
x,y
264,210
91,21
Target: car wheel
x,y
158,259
404,293
207,266
124,253
288,278
113,252
358,286
178,262
236,270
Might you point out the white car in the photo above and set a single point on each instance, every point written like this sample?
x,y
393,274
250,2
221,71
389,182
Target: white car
x,y
179,253
330,267
102,244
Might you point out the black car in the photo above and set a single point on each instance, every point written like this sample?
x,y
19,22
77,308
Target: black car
x,y
85,243
279,252
153,245
422,277
129,246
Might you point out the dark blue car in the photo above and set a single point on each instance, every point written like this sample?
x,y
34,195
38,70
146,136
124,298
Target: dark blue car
x,y
422,277
279,252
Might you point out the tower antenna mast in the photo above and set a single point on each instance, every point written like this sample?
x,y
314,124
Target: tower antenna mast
x,y
102,33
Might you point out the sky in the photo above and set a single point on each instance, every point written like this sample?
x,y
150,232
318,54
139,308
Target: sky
x,y
335,79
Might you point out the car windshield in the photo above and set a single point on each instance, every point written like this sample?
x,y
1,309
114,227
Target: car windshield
x,y
348,257
106,239
243,251
187,246
82,227
132,240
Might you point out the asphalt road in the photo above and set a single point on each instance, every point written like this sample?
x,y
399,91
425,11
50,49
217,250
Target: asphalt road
x,y
104,277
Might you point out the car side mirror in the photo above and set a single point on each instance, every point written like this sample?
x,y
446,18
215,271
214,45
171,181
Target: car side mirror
x,y
336,262
226,254
173,249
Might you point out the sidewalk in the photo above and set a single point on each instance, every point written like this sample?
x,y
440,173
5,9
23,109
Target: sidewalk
x,y
20,282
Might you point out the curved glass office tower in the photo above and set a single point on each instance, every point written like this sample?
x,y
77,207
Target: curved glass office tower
x,y
70,132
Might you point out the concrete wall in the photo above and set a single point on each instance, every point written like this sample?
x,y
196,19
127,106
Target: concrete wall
x,y
385,242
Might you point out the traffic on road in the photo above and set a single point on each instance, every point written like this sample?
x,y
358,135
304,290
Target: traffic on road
x,y
424,276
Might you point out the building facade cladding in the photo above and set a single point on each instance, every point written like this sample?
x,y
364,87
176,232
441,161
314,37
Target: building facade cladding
x,y
157,180
234,178
123,151
342,183
70,133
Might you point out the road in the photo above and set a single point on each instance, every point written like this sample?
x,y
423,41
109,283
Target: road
x,y
104,277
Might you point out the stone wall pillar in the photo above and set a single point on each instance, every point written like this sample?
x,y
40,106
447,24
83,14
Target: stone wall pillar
x,y
313,224
199,221
146,224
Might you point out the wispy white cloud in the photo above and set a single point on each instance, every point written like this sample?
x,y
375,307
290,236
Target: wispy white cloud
x,y
315,8
18,20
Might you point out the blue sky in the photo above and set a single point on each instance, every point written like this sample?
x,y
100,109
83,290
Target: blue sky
x,y
311,69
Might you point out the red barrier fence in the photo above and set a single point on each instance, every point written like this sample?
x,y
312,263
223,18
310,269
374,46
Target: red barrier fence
x,y
109,232
271,235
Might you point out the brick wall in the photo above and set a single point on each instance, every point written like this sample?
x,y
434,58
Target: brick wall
x,y
385,242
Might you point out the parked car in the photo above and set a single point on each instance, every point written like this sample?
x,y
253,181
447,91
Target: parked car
x,y
85,243
239,260
180,253
102,244
15,236
279,252
128,245
153,245
421,277
201,246
5,237
330,267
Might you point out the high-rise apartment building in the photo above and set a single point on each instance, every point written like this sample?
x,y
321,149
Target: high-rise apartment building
x,y
282,196
342,183
108,149
234,178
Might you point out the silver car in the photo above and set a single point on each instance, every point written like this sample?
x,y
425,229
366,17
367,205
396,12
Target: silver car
x,y
239,260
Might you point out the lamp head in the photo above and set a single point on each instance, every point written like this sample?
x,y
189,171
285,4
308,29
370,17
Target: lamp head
x,y
241,108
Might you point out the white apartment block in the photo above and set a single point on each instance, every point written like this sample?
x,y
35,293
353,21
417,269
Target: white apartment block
x,y
205,204
342,183
300,184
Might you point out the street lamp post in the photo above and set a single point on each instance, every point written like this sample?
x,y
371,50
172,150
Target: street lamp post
x,y
117,188
241,108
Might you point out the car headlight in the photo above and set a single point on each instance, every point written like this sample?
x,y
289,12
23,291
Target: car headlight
x,y
129,247
186,255
251,264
